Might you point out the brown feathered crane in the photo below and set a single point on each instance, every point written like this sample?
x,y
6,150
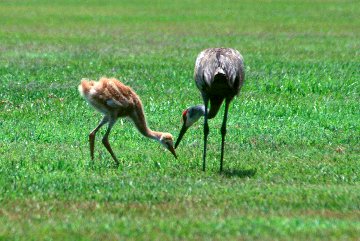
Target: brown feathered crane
x,y
219,75
114,100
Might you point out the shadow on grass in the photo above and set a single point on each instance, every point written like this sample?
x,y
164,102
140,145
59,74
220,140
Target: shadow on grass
x,y
239,173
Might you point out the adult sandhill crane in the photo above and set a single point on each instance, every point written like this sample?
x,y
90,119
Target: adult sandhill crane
x,y
219,75
115,100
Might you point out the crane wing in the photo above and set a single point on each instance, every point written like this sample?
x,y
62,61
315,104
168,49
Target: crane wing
x,y
114,103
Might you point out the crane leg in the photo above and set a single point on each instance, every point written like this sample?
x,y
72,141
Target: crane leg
x,y
223,133
106,143
92,134
206,130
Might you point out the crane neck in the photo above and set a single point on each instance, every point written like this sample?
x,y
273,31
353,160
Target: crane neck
x,y
198,111
138,117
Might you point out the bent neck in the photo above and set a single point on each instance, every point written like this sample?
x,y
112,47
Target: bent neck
x,y
139,120
195,112
213,109
155,135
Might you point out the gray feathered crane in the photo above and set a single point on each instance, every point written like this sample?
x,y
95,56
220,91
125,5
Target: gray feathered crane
x,y
219,75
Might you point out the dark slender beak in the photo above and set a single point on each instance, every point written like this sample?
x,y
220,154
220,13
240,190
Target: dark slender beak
x,y
181,134
172,150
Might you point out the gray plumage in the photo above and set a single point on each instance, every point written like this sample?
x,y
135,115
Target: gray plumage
x,y
219,75
219,71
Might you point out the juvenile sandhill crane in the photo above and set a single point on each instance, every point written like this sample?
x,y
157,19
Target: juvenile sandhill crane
x,y
114,100
219,75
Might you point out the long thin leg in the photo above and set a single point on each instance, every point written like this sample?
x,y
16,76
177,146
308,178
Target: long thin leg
x,y
206,129
223,133
92,134
105,140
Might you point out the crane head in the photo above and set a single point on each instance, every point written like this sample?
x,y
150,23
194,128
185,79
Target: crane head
x,y
166,140
189,117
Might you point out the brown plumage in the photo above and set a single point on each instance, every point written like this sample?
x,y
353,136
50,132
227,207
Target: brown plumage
x,y
115,100
219,75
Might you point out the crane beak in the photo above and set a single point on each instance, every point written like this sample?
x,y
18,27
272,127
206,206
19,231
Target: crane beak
x,y
181,134
172,150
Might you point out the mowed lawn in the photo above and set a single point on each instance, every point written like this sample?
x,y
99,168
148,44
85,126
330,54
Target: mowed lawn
x,y
292,154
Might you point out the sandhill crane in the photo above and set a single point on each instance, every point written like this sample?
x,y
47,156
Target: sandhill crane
x,y
219,74
114,100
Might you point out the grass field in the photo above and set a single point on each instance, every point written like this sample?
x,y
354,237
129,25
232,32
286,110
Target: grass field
x,y
291,164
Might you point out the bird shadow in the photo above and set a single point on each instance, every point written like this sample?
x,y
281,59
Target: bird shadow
x,y
242,173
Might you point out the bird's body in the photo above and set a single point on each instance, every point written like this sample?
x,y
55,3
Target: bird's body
x,y
110,97
219,72
115,100
219,75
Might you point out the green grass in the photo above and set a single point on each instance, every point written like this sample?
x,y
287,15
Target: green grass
x,y
292,148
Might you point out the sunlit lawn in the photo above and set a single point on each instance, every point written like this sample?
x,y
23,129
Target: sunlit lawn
x,y
292,148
